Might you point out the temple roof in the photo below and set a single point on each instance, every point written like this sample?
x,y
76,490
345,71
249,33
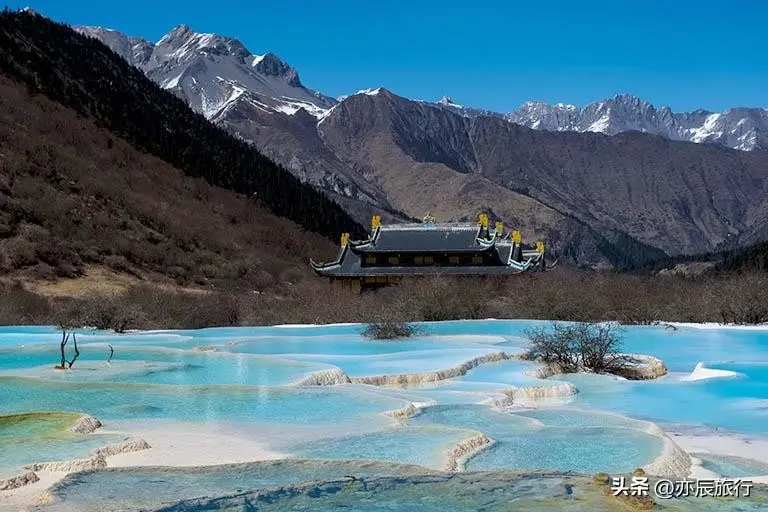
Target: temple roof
x,y
424,238
348,265
502,254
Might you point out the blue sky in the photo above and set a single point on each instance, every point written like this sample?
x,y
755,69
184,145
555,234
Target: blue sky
x,y
495,54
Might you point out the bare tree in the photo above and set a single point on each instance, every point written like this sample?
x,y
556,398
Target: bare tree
x,y
579,346
64,340
111,353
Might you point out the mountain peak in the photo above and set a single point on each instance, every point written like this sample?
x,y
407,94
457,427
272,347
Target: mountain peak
x,y
179,32
272,65
371,91
623,96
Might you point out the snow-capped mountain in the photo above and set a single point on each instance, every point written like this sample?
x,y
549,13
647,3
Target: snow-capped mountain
x,y
737,128
591,196
447,103
213,73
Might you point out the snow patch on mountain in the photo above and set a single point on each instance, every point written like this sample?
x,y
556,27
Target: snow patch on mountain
x,y
370,92
214,74
211,72
739,128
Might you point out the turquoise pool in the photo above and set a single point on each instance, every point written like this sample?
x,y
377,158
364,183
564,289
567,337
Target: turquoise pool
x,y
245,378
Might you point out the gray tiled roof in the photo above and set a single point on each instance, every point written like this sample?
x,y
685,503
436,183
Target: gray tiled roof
x,y
411,238
441,238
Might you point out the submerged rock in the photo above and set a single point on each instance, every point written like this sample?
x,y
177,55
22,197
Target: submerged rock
x,y
86,425
137,409
15,482
643,367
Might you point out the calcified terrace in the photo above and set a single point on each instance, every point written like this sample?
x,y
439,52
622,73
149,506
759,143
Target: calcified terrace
x,y
455,400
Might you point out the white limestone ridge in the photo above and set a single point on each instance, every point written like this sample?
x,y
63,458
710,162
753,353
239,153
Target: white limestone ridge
x,y
673,461
129,445
431,376
335,376
526,394
460,454
70,466
97,460
17,481
329,377
413,409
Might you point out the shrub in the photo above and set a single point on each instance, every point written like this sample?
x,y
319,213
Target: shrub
x,y
389,330
111,312
578,347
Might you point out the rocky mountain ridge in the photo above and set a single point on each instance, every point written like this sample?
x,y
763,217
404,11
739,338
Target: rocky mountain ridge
x,y
587,180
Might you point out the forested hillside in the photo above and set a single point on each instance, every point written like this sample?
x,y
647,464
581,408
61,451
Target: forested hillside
x,y
83,74
80,206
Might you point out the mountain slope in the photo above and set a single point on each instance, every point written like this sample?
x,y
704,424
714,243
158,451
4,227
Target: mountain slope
x,y
675,196
258,97
211,72
597,200
82,73
78,201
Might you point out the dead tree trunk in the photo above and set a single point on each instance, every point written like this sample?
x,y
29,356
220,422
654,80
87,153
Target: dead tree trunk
x,y
77,352
111,353
64,340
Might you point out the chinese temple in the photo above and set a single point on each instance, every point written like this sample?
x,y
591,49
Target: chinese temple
x,y
429,248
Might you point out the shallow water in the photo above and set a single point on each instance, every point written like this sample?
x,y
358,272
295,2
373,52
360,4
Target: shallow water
x,y
350,486
246,384
732,467
153,487
591,442
244,405
36,437
425,446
